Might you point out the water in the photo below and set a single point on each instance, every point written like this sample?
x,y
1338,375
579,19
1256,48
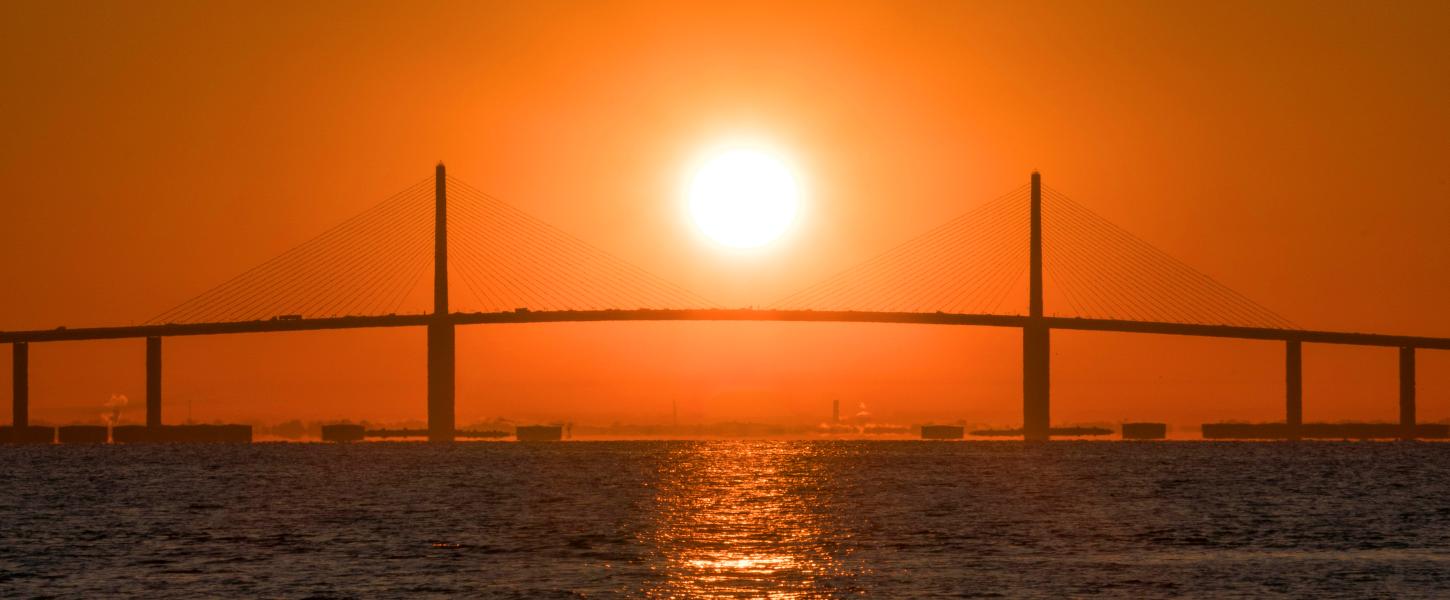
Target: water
x,y
733,519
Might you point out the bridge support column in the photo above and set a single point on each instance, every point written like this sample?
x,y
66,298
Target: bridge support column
x,y
1293,389
1407,393
1036,383
153,381
440,382
20,384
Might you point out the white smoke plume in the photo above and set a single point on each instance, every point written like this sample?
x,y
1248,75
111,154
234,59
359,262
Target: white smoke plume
x,y
864,415
112,416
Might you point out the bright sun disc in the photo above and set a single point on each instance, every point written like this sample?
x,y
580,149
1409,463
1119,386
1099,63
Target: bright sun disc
x,y
743,198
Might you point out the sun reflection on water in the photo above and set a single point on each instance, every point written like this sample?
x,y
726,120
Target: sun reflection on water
x,y
749,519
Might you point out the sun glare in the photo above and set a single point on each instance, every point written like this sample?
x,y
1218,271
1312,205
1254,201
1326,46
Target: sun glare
x,y
743,197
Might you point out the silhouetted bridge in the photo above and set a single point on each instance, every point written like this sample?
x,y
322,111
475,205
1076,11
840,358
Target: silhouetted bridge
x,y
969,262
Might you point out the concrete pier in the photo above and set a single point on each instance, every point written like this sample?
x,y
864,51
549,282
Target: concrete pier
x,y
942,432
1145,431
1407,392
181,434
20,384
440,382
1293,389
153,381
82,434
539,433
1036,379
343,433
29,434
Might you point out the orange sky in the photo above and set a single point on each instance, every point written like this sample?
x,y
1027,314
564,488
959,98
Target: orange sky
x,y
1299,153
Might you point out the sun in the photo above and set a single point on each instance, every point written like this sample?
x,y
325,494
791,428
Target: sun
x,y
743,197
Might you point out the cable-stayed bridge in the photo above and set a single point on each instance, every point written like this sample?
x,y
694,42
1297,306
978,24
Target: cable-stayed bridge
x,y
505,266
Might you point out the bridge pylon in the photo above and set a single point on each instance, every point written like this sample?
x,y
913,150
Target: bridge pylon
x,y
1036,338
441,357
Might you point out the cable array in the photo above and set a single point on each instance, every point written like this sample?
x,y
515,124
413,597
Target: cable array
x,y
971,264
367,265
1103,271
978,261
372,263
507,259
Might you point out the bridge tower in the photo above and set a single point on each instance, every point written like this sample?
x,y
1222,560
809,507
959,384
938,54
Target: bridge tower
x,y
1036,337
441,426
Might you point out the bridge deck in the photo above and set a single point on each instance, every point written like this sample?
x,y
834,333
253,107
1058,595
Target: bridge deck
x,y
809,316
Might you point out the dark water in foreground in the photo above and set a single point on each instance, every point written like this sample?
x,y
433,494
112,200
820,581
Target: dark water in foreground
x,y
689,519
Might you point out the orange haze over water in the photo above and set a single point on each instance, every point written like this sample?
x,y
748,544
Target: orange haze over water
x,y
1298,152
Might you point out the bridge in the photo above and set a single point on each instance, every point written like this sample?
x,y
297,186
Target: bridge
x,y
517,269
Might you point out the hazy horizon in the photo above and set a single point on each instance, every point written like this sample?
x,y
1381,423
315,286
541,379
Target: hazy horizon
x,y
1294,153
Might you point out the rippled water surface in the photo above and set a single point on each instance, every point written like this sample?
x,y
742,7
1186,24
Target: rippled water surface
x,y
737,519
